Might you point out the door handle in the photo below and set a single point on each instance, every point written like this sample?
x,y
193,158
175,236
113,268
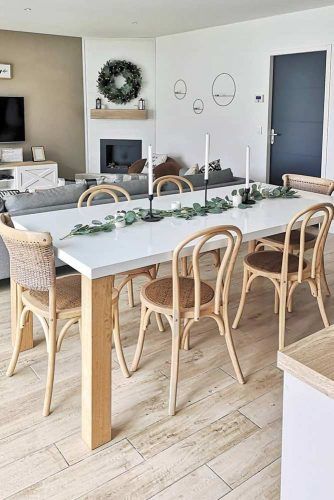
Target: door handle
x,y
273,134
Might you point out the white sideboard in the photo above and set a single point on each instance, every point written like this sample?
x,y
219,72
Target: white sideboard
x,y
29,175
308,416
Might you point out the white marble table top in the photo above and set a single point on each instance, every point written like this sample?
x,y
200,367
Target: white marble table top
x,y
144,243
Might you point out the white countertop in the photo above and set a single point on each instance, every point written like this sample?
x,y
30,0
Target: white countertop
x,y
146,243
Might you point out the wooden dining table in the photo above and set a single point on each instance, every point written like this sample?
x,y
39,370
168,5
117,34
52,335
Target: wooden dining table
x,y
99,257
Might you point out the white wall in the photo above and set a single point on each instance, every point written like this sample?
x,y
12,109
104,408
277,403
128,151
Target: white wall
x,y
244,50
95,53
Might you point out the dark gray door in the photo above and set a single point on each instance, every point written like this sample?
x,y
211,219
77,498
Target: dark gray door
x,y
297,114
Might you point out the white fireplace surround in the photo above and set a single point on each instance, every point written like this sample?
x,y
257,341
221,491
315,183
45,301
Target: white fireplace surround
x,y
95,53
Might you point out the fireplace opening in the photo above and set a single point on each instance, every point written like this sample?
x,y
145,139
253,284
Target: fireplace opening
x,y
116,155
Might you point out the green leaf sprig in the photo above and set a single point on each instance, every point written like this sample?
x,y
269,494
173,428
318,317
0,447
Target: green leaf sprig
x,y
213,206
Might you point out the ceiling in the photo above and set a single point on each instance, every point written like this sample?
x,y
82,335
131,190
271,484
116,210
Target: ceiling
x,y
137,18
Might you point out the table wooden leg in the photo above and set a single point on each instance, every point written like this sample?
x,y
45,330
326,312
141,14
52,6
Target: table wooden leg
x,y
96,337
27,338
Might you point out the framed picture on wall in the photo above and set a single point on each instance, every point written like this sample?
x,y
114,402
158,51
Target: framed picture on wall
x,y
5,70
38,153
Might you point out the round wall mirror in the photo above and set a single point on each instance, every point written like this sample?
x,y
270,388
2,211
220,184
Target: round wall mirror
x,y
180,89
198,106
223,89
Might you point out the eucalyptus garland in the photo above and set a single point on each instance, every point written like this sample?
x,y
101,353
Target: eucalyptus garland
x,y
106,81
214,206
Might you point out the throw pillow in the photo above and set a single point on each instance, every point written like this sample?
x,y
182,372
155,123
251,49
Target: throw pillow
x,y
192,170
156,160
213,165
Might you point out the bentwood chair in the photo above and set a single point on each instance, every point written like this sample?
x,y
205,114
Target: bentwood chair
x,y
287,270
127,277
50,299
184,300
276,241
179,181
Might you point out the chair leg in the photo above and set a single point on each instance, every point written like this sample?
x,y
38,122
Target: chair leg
x,y
21,316
323,275
282,313
217,258
186,344
242,300
130,293
51,367
141,338
174,369
16,350
118,343
276,306
159,322
184,266
321,302
231,349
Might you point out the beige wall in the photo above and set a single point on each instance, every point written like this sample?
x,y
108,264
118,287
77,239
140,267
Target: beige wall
x,y
47,72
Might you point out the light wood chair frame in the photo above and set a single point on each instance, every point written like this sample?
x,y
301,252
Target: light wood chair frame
x,y
112,190
148,272
178,180
286,283
181,320
174,179
309,183
47,316
306,183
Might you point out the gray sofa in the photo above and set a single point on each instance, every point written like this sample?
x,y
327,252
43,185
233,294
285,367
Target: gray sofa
x,y
65,197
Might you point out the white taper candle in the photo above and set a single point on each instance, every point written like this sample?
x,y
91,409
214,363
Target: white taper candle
x,y
150,170
247,166
207,151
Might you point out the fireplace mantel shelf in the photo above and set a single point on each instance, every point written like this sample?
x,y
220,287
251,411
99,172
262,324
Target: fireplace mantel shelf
x,y
118,114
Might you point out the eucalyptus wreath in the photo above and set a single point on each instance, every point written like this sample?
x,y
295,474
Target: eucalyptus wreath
x,y
106,81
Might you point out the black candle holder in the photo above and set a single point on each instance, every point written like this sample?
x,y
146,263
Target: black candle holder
x,y
246,200
150,217
206,181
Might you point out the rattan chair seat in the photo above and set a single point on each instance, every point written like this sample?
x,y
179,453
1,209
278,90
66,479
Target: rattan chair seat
x,y
270,261
278,239
160,292
68,294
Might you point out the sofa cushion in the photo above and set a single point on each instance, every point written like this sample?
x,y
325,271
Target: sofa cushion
x,y
197,180
61,195
136,186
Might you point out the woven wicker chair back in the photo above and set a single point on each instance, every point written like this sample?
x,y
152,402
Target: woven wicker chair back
x,y
32,262
308,183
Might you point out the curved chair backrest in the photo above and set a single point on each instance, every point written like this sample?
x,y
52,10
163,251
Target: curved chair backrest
x,y
233,237
32,262
174,179
303,219
308,183
93,191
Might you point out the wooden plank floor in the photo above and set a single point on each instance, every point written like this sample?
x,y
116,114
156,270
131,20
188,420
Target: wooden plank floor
x,y
224,442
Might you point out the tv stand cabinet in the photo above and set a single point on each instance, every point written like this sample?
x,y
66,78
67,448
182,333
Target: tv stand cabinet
x,y
29,175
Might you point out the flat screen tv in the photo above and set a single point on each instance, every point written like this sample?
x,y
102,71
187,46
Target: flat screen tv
x,y
12,119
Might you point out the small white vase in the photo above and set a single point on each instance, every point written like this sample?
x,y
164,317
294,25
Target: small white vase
x,y
176,205
236,200
120,223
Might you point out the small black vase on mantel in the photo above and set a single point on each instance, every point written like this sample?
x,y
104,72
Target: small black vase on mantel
x,y
98,104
